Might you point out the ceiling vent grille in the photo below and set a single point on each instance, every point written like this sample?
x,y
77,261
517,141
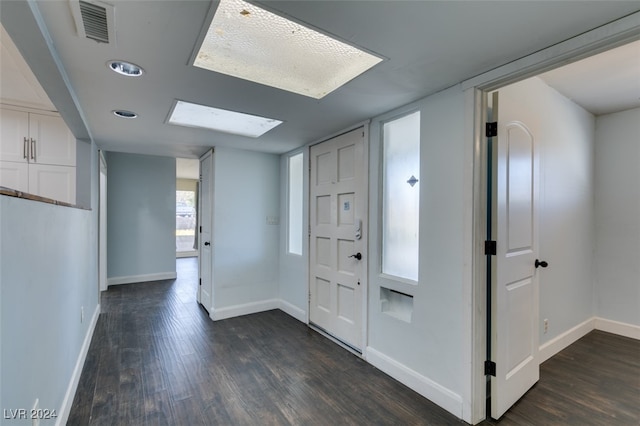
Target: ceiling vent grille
x,y
94,20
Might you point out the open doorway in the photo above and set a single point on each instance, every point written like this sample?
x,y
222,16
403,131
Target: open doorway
x,y
187,176
582,116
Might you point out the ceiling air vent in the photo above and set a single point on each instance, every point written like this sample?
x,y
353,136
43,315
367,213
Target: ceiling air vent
x,y
94,20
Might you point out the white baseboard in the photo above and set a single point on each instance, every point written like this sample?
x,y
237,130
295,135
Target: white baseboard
x,y
141,278
617,327
558,343
65,409
438,394
565,339
244,309
293,310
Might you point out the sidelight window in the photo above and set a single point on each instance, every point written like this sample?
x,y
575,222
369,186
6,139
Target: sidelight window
x,y
295,208
401,197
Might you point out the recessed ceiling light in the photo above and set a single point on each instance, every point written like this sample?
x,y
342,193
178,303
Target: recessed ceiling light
x,y
251,43
124,114
237,123
125,68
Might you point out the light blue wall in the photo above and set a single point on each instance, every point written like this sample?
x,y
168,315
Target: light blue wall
x,y
141,217
245,245
617,201
48,272
429,350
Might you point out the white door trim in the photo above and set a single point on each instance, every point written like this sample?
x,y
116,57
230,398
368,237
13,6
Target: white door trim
x,y
603,38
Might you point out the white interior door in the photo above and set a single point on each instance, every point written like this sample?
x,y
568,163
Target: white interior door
x,y
205,294
515,284
338,248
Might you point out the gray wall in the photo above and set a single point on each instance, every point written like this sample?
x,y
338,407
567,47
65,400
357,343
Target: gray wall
x,y
429,351
141,217
48,272
84,168
617,206
245,245
566,219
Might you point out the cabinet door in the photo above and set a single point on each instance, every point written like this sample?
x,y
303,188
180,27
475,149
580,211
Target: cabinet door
x,y
54,142
56,182
14,175
14,128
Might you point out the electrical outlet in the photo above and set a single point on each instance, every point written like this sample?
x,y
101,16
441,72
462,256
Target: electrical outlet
x,y
81,314
546,325
35,419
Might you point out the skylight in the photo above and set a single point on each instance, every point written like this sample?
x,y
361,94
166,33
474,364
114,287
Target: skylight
x,y
251,43
237,123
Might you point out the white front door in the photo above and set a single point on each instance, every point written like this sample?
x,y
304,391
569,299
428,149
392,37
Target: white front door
x,y
515,284
338,240
205,294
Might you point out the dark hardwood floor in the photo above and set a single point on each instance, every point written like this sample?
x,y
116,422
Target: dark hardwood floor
x,y
595,381
157,359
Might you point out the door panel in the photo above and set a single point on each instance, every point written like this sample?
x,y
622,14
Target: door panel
x,y
515,285
205,243
338,207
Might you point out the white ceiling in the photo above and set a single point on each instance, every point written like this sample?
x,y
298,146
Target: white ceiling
x,y
601,84
428,46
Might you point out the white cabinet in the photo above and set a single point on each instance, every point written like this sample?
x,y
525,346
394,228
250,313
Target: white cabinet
x,y
14,175
37,154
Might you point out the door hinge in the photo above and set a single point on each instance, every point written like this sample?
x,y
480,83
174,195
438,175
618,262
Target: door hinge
x,y
489,368
490,248
491,129
201,229
200,281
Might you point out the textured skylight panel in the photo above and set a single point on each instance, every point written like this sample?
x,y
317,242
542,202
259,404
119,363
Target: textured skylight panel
x,y
237,123
251,43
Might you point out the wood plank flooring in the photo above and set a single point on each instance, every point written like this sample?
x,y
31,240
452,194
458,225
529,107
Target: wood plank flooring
x,y
595,381
157,359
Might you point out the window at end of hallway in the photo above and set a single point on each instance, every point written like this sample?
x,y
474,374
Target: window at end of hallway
x,y
401,196
295,208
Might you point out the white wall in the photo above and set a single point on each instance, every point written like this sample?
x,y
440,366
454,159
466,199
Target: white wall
x,y
566,221
141,217
617,209
48,272
429,352
245,245
293,288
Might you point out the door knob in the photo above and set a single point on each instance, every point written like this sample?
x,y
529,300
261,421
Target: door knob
x,y
542,263
207,243
357,256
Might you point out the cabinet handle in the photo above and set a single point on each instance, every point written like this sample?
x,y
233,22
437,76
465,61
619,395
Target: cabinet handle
x,y
25,149
33,149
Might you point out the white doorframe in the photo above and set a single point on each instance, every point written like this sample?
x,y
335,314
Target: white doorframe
x,y
595,41
102,224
